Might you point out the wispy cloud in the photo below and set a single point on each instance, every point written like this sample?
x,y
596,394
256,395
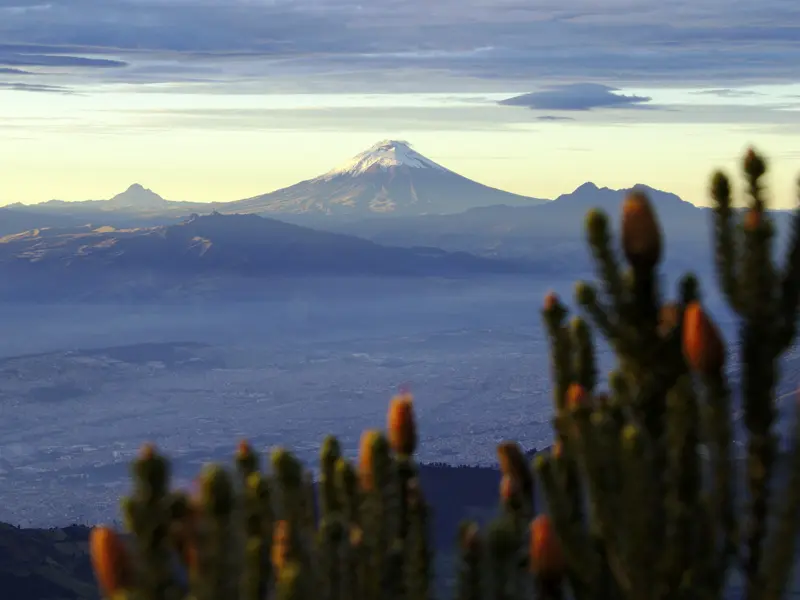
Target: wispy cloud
x,y
729,93
576,96
554,118
13,59
34,87
13,71
340,45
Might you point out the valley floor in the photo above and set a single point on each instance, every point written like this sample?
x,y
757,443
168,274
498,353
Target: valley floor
x,y
82,387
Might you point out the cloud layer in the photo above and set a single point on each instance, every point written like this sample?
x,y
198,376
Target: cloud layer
x,y
400,45
577,96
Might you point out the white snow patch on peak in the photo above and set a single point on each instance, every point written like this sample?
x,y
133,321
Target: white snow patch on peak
x,y
384,154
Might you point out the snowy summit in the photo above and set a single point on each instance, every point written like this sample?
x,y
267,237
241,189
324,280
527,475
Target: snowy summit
x,y
389,178
384,155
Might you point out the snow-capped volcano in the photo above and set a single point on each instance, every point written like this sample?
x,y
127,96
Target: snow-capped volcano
x,y
383,155
389,178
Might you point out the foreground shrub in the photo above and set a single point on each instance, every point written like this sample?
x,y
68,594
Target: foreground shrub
x,y
632,510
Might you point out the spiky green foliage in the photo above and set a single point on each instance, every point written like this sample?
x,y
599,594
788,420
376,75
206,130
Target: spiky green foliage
x,y
634,510
661,522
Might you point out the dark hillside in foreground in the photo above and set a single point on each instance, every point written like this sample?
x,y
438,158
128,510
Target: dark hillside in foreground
x,y
53,564
45,564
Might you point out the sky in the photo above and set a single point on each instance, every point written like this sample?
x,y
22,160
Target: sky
x,y
216,100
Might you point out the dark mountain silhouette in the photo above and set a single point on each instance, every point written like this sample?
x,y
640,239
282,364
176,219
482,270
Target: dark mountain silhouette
x,y
588,196
551,233
554,230
137,197
201,248
135,201
550,219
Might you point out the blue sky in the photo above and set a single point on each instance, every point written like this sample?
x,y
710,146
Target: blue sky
x,y
223,99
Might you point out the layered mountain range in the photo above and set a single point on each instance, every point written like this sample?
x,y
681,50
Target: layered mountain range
x,y
389,178
388,211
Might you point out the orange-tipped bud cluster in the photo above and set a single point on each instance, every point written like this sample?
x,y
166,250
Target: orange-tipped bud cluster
x,y
514,464
703,348
641,234
546,557
246,457
402,426
557,450
366,459
244,449
576,397
110,560
752,219
147,451
550,301
281,545
511,459
509,489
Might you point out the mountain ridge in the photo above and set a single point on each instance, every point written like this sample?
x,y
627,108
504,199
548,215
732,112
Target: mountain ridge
x,y
202,251
553,231
135,198
389,178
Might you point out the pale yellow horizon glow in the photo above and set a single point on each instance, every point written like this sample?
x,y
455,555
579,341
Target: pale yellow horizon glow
x,y
94,146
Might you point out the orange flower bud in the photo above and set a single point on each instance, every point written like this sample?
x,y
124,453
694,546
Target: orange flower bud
x,y
244,449
557,450
514,464
246,459
550,300
546,557
576,396
110,560
641,234
147,451
281,544
366,459
511,458
752,219
509,489
703,348
401,426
